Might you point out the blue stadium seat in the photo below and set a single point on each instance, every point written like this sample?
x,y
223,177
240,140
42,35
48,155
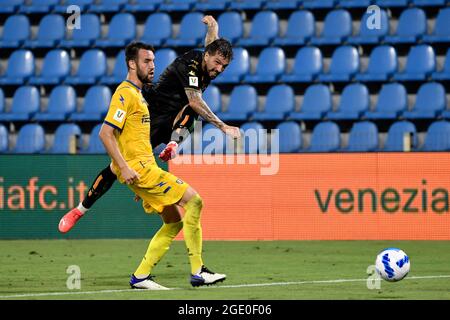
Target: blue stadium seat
x,y
254,138
177,5
108,6
213,140
209,5
344,65
280,100
271,65
354,102
156,36
428,3
430,100
237,69
91,68
51,31
247,4
119,72
355,3
95,145
392,3
326,137
20,68
283,4
441,31
337,27
412,25
163,57
66,139
85,36
383,64
82,4
392,101
15,31
31,139
319,4
121,31
95,105
307,65
399,133
143,5
368,33
55,69
443,74
290,137
4,139
300,28
10,6
213,98
61,103
437,137
2,101
192,31
420,64
265,27
363,137
26,102
316,103
243,101
38,6
231,26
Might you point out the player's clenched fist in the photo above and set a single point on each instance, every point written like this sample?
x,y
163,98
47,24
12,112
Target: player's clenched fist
x,y
209,21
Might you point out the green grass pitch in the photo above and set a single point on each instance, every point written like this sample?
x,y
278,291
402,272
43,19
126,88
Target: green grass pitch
x,y
275,270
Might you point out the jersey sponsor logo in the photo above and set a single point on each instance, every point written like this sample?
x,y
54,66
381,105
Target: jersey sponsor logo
x,y
192,73
193,81
145,118
119,115
193,66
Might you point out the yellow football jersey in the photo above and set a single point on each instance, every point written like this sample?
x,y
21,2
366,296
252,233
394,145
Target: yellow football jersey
x,y
128,113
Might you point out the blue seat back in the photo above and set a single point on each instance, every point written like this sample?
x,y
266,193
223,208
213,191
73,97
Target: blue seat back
x,y
396,136
290,137
4,140
253,137
338,23
97,100
437,137
31,139
16,28
317,98
412,22
51,27
122,27
421,59
192,27
383,59
326,137
308,61
213,98
272,61
442,27
120,66
345,60
354,98
431,96
65,135
392,97
21,64
2,101
363,137
92,64
280,98
90,30
301,24
56,64
158,26
243,98
63,99
265,25
231,26
95,145
240,65
163,57
26,99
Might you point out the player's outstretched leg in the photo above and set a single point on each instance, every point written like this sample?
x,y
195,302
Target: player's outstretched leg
x,y
101,185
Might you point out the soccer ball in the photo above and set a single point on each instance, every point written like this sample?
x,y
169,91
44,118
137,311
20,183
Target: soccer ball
x,y
392,264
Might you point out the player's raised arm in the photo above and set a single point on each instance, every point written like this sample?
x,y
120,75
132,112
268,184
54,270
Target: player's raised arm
x,y
201,107
213,29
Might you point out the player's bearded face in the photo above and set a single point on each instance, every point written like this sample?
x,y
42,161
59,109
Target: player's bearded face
x,y
145,66
215,64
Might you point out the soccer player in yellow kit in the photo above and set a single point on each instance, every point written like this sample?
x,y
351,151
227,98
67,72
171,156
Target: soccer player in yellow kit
x,y
125,134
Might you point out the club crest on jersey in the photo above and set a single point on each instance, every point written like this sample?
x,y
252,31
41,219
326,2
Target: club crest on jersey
x,y
119,115
193,81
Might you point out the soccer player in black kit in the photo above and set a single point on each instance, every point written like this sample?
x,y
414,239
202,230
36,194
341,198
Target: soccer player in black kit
x,y
175,101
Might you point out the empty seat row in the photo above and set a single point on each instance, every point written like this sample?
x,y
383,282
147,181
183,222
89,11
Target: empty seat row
x,y
280,103
265,30
421,64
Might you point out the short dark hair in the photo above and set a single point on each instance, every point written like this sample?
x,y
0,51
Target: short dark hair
x,y
222,46
131,51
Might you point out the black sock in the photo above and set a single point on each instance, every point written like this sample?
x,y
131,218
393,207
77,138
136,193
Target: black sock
x,y
101,185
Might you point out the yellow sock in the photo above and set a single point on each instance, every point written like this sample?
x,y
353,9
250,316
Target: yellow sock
x,y
193,232
158,247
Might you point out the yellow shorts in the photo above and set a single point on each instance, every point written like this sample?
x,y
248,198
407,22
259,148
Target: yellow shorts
x,y
157,188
